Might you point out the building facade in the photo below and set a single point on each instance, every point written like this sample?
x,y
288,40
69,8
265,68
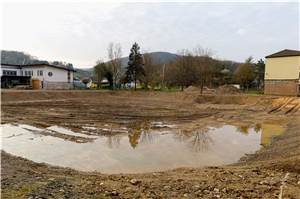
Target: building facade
x,y
49,76
282,73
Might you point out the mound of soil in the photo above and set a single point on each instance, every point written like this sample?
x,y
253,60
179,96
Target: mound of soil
x,y
227,90
192,89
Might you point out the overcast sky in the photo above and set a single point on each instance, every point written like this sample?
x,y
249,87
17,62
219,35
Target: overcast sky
x,y
79,33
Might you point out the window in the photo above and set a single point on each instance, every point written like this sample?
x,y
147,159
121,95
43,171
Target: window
x,y
10,72
28,73
50,74
69,76
39,73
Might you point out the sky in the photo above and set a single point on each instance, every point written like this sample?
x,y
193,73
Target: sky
x,y
79,32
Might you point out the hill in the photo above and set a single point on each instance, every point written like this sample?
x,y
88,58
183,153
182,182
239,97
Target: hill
x,y
158,58
21,58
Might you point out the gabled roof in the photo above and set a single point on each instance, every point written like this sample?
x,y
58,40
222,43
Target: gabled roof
x,y
36,65
285,53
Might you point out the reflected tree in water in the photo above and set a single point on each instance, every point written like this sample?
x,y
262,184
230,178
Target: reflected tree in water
x,y
243,129
134,136
113,141
198,140
140,133
201,141
257,128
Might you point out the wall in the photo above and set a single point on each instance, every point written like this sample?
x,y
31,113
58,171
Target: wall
x,y
284,68
282,87
58,80
58,75
57,85
34,71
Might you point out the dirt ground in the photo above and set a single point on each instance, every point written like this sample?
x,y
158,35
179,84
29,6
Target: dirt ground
x,y
272,172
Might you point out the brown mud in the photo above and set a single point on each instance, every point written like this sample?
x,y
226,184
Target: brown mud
x,y
272,172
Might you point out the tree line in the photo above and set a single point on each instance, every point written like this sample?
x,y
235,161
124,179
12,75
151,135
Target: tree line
x,y
194,67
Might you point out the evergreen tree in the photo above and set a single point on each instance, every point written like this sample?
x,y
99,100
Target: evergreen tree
x,y
135,69
259,71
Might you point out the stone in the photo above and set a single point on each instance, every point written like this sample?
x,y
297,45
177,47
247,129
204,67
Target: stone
x,y
167,187
196,186
135,181
216,190
114,193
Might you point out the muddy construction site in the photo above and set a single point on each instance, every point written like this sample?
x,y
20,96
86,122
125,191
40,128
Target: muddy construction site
x,y
104,144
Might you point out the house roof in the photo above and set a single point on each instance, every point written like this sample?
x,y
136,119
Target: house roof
x,y
36,65
285,53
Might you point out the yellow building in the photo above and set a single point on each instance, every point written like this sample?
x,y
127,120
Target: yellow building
x,y
282,73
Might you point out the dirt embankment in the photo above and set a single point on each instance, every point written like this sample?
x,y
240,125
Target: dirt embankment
x,y
272,172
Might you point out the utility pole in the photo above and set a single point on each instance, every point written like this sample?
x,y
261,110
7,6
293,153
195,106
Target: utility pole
x,y
163,78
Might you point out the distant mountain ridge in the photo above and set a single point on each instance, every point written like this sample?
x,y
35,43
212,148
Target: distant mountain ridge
x,y
157,57
21,58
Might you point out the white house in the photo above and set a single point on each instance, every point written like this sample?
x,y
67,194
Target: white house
x,y
50,76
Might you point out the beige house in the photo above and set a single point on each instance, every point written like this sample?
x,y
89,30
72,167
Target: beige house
x,y
282,73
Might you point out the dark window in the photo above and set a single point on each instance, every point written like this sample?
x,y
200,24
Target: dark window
x,y
28,73
40,73
69,76
9,72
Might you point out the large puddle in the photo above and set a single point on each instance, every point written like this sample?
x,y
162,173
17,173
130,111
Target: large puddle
x,y
138,150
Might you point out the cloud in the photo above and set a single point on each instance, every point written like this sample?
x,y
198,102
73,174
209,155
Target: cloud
x,y
241,31
79,32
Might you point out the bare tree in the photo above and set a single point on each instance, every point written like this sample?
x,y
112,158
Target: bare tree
x,y
115,55
100,72
204,65
152,76
184,69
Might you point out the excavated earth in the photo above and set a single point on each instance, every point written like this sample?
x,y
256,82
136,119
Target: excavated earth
x,y
271,172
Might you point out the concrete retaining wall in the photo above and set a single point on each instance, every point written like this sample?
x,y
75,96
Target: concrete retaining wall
x,y
57,85
282,87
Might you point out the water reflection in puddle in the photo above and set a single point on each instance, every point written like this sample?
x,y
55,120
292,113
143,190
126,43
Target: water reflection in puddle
x,y
139,150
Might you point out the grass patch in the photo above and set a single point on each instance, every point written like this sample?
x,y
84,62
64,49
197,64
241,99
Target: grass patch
x,y
254,93
20,192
